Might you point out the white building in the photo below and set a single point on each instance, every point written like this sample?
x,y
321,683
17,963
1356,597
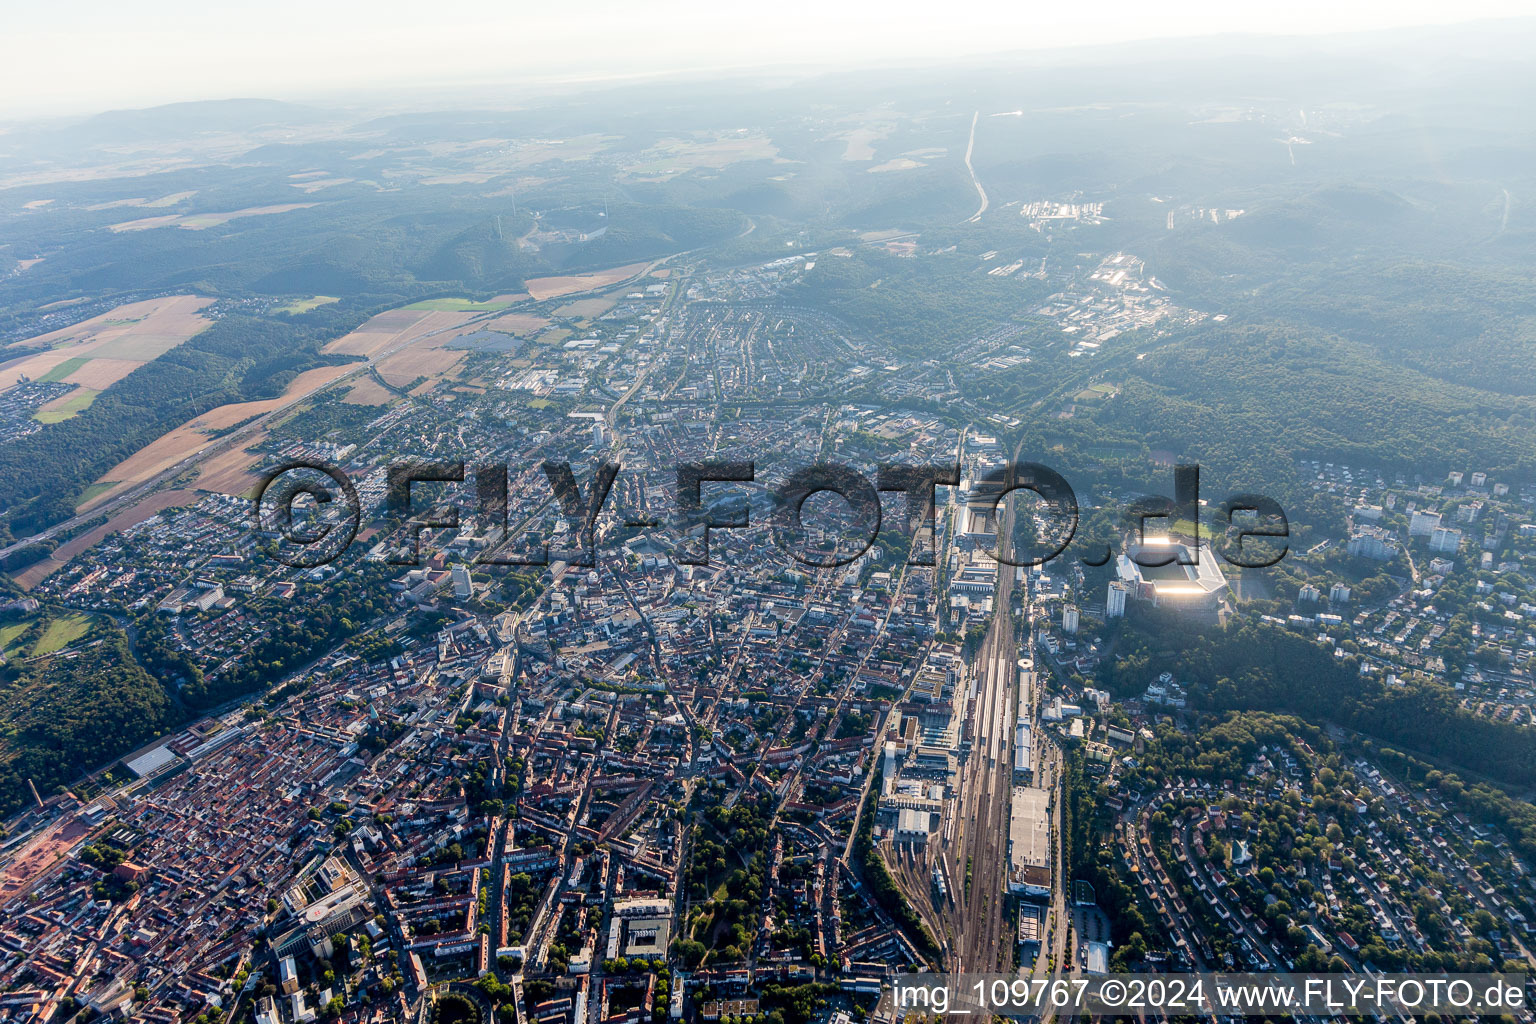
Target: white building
x,y
1445,539
1423,524
912,825
1114,602
1372,542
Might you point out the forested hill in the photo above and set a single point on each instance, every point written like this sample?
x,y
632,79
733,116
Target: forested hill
x,y
1259,667
72,712
1232,395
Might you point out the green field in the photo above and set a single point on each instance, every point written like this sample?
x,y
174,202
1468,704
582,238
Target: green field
x,y
64,369
1183,529
61,632
305,305
80,399
56,635
458,306
8,635
95,489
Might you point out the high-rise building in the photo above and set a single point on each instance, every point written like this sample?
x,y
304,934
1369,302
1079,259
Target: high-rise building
x,y
1423,524
1445,539
1372,542
1114,604
1069,619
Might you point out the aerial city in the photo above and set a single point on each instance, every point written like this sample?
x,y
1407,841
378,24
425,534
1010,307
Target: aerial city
x,y
708,548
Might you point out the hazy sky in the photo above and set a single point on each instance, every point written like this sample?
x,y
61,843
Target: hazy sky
x,y
92,55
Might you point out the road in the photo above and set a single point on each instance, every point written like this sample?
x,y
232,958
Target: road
x,y
970,147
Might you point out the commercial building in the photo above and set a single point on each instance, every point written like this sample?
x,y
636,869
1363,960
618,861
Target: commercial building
x,y
1023,753
1031,930
912,826
1029,842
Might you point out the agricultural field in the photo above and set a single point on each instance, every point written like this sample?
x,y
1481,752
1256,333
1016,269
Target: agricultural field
x,y
367,392
143,203
195,435
542,288
61,409
585,307
671,157
428,358
203,221
500,302
64,369
900,163
101,351
232,471
393,329
406,344
305,305
518,323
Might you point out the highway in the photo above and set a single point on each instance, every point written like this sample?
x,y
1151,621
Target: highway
x,y
970,146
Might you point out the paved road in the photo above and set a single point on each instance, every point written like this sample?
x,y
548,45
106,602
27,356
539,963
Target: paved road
x,y
970,146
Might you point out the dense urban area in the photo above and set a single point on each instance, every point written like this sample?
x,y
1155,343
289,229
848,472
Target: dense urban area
x,y
546,744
